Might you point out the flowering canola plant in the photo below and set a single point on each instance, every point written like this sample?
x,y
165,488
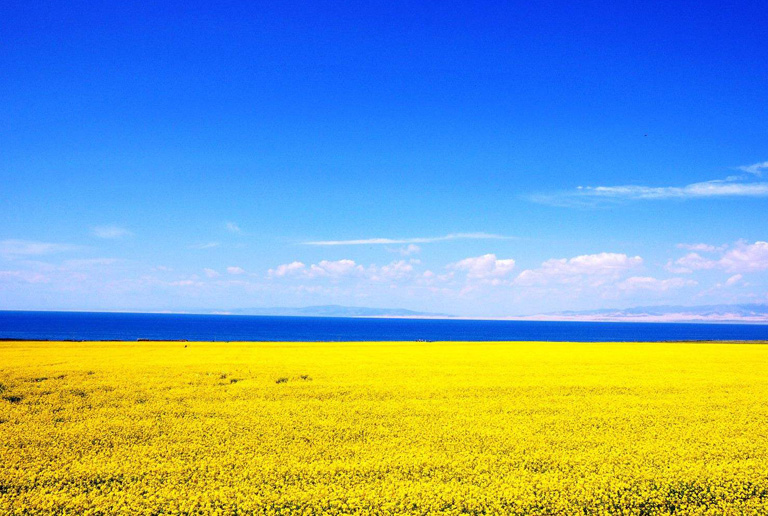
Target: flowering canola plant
x,y
383,428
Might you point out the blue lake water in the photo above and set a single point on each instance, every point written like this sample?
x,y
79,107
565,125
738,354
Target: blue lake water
x,y
130,326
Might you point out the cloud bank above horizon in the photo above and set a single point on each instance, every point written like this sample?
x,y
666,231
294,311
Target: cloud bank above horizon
x,y
731,270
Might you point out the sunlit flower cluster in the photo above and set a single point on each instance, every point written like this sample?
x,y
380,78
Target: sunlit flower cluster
x,y
383,428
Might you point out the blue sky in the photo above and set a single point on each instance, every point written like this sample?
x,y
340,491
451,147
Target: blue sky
x,y
488,158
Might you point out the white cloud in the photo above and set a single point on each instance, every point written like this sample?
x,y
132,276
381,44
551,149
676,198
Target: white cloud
x,y
19,248
89,263
743,257
211,273
407,250
691,262
110,232
746,257
24,276
702,248
676,269
323,269
394,271
207,245
286,269
733,280
345,269
233,227
755,169
719,188
652,284
335,269
235,270
572,270
599,263
420,240
484,267
186,283
603,275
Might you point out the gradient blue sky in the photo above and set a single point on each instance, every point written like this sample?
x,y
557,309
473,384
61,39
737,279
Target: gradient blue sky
x,y
575,155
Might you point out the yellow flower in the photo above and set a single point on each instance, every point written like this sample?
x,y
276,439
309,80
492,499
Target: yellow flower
x,y
383,428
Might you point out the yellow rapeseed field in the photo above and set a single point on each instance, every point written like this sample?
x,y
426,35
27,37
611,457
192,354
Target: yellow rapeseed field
x,y
383,428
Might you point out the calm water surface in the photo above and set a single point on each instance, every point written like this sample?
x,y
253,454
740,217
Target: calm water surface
x,y
123,326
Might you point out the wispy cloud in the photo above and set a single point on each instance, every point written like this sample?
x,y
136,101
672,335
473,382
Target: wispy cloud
x,y
704,248
233,227
110,232
17,248
755,169
653,284
207,245
23,276
592,195
689,263
89,263
418,240
733,186
406,250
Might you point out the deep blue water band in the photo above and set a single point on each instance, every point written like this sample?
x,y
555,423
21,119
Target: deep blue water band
x,y
130,326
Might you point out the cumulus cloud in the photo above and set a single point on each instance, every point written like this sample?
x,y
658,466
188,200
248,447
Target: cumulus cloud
x,y
691,262
25,248
345,269
743,257
235,270
322,269
606,275
334,269
484,267
211,273
570,270
110,232
394,271
746,257
418,240
653,284
287,269
233,227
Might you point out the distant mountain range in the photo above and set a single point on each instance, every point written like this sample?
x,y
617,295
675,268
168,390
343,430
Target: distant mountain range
x,y
333,311
743,313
